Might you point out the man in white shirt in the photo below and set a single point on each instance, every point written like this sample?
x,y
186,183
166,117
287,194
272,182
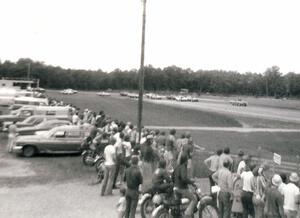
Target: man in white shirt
x,y
75,118
291,193
242,164
212,164
110,168
247,192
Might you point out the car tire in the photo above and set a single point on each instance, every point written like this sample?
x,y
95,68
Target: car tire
x,y
29,151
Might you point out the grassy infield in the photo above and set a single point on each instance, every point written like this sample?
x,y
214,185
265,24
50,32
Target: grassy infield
x,y
286,144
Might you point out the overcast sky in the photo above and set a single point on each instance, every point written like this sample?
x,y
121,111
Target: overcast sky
x,y
241,35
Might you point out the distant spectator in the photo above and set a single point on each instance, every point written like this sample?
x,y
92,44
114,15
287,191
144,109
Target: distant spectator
x,y
170,141
237,160
242,165
75,118
134,179
110,168
225,156
259,185
12,134
149,159
283,184
274,200
247,192
291,193
212,164
223,177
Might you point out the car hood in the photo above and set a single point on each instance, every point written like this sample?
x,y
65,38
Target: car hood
x,y
5,117
27,128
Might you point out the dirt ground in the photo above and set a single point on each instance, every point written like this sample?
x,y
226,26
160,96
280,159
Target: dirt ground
x,y
50,186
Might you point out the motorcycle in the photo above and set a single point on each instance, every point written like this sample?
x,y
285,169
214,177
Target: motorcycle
x,y
152,199
92,158
175,207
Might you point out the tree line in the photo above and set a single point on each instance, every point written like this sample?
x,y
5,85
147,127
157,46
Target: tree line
x,y
269,83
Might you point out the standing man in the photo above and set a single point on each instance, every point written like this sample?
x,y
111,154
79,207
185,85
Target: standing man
x,y
274,200
134,179
291,193
12,134
223,177
225,157
212,164
110,168
181,182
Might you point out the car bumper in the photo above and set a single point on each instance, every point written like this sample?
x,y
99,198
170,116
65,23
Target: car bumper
x,y
17,149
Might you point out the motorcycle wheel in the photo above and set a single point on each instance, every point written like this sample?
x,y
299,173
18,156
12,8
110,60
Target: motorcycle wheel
x,y
208,211
147,207
163,214
85,160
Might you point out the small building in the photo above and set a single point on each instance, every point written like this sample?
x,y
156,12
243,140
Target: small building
x,y
19,83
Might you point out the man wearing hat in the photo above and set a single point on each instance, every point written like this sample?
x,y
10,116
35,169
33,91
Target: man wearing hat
x,y
290,193
274,200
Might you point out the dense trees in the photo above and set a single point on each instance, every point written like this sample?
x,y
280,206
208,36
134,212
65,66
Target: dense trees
x,y
272,82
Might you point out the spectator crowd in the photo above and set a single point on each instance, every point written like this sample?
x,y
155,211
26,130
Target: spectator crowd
x,y
156,159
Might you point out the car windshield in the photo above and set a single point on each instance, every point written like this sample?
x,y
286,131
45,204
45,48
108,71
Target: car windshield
x,y
50,133
29,120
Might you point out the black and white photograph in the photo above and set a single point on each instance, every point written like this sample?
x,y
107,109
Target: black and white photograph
x,y
150,109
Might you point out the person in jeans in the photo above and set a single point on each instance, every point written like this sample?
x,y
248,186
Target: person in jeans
x,y
181,182
259,184
223,177
274,200
134,179
247,192
110,168
291,193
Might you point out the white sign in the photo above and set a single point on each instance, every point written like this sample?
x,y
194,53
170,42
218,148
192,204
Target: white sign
x,y
277,158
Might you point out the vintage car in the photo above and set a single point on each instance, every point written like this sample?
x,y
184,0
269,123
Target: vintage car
x,y
68,91
62,139
43,126
37,119
239,102
103,94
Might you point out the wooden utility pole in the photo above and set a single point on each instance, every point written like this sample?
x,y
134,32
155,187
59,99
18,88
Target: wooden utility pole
x,y
141,73
28,71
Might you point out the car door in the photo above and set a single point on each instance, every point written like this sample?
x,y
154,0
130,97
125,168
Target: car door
x,y
54,142
73,140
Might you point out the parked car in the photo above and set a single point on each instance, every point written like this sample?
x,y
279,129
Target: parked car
x,y
43,126
27,111
37,119
62,139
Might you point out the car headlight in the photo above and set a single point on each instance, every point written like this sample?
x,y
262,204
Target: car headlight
x,y
157,199
198,191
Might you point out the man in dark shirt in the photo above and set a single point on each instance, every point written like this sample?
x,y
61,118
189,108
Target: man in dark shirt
x,y
274,200
181,182
133,177
161,179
